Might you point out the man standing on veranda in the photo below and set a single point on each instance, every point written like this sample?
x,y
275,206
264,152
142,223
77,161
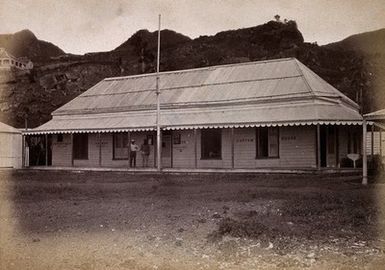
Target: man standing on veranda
x,y
133,149
145,150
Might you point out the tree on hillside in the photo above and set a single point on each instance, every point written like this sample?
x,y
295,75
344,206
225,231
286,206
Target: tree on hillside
x,y
277,18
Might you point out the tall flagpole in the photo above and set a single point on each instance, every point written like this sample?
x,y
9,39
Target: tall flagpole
x,y
158,135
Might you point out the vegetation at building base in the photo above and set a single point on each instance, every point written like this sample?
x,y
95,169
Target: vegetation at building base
x,y
355,67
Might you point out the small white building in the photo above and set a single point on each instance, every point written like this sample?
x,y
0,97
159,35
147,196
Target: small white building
x,y
8,61
10,147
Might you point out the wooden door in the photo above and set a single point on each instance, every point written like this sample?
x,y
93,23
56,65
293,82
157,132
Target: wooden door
x,y
166,151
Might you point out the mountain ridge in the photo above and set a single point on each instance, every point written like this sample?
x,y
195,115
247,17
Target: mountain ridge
x,y
24,43
370,42
58,79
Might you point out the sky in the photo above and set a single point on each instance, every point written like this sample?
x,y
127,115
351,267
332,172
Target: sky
x,y
81,26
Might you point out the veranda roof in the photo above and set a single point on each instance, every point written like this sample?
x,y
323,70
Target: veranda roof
x,y
4,128
263,93
377,115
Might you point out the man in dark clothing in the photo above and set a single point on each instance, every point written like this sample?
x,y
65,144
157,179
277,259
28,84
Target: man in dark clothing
x,y
145,150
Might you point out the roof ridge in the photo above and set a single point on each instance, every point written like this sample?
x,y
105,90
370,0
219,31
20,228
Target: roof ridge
x,y
310,89
189,86
200,68
321,80
303,78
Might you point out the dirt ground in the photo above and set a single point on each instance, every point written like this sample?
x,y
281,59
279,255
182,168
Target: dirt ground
x,y
117,220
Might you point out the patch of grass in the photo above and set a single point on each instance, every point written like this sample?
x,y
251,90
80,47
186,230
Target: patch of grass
x,y
236,228
30,191
315,216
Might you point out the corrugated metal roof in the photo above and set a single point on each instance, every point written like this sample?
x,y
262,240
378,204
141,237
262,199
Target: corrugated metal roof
x,y
275,91
247,81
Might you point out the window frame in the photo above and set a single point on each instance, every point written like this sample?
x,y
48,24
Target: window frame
x,y
113,146
202,146
257,156
176,138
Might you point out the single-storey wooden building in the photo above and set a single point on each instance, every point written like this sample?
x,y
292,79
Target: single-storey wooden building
x,y
10,147
266,114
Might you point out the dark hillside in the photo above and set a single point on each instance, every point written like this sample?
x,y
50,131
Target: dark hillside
x,y
25,43
367,43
